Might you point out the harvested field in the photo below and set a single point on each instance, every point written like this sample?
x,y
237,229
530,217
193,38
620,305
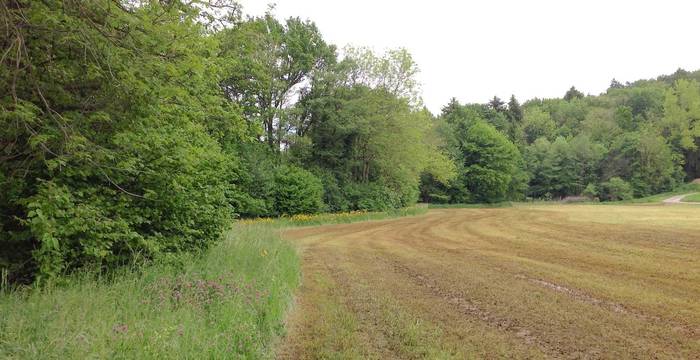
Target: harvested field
x,y
564,281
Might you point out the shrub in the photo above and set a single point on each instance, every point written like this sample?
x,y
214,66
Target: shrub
x,y
334,198
297,191
109,157
616,189
176,201
591,191
372,197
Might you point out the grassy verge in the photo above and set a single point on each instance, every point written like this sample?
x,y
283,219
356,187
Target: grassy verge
x,y
692,198
229,303
683,189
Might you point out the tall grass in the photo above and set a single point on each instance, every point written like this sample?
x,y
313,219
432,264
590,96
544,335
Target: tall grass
x,y
228,303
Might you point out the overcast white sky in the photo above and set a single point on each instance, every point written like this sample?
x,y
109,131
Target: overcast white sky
x,y
473,50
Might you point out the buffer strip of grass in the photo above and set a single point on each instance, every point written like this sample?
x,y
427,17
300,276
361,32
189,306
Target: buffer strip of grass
x,y
657,198
694,198
227,303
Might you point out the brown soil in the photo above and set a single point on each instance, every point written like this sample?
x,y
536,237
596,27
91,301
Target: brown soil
x,y
534,282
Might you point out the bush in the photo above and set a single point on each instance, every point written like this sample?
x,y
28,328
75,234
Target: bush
x,y
297,191
110,158
255,179
591,191
176,201
334,198
616,189
372,197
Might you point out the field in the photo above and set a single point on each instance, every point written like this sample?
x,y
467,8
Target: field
x,y
539,281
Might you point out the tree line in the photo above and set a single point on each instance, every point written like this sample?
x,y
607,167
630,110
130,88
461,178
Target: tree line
x,y
132,130
634,140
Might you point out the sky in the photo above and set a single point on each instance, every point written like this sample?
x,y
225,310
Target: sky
x,y
473,50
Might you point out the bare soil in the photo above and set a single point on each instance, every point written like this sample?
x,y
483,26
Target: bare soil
x,y
564,281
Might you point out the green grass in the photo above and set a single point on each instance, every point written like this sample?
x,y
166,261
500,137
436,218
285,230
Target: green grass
x,y
692,198
683,189
228,303
657,198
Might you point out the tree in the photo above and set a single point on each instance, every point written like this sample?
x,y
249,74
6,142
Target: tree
x,y
645,160
536,124
490,164
681,122
515,111
563,167
497,104
624,118
371,138
394,71
600,125
268,62
452,106
572,93
109,150
515,118
614,84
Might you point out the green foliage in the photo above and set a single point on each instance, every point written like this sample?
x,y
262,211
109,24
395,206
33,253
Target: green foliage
x,y
373,196
491,164
114,153
296,191
394,72
370,145
591,191
265,62
646,160
615,189
563,167
537,124
681,123
624,118
230,302
179,176
572,94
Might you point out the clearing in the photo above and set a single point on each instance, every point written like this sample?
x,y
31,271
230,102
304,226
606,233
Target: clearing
x,y
548,281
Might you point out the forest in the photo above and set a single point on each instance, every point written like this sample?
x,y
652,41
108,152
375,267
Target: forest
x,y
136,129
